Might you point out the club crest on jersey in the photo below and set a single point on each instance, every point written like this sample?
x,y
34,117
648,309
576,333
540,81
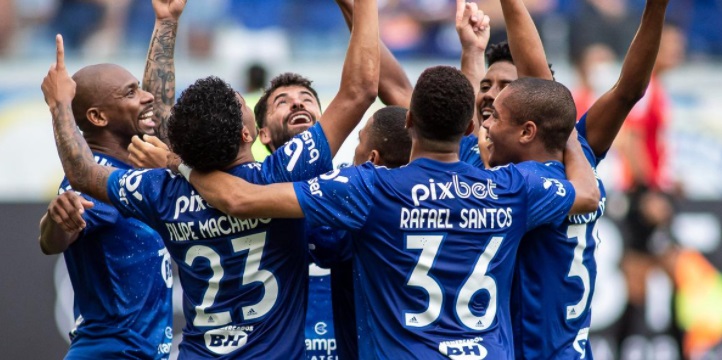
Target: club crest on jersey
x,y
436,190
467,349
226,339
561,191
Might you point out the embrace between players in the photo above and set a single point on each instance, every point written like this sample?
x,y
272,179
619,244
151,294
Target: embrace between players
x,y
466,228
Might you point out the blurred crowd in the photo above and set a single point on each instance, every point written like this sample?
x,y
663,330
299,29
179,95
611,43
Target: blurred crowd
x,y
411,28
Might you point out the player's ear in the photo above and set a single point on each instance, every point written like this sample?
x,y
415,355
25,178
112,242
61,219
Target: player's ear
x,y
528,132
375,157
96,117
246,135
470,128
264,136
409,123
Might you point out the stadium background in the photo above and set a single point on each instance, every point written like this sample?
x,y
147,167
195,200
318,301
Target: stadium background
x,y
224,37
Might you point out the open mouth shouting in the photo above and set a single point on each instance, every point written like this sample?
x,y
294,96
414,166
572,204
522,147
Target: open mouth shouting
x,y
146,122
300,118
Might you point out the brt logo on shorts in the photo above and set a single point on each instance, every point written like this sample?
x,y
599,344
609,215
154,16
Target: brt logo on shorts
x,y
225,340
467,349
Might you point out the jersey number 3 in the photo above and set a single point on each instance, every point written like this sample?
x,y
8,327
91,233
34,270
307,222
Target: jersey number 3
x,y
476,281
251,273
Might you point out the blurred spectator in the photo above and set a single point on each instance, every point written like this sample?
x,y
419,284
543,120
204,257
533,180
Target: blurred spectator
x,y
650,192
594,74
605,22
7,25
95,26
256,77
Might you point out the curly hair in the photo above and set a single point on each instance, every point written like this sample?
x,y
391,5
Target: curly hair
x,y
285,79
204,127
501,52
389,136
548,104
442,103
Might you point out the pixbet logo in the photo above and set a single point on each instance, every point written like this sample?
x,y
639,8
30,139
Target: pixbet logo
x,y
449,190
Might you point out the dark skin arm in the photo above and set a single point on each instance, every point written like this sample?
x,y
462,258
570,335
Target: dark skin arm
x,y
62,223
524,41
159,74
83,173
473,29
581,175
606,116
359,86
394,86
359,78
237,197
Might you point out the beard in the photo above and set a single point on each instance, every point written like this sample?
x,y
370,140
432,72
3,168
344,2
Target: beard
x,y
279,138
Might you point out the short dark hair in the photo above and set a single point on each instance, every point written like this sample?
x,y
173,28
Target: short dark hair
x,y
285,79
389,136
204,127
548,104
501,52
442,104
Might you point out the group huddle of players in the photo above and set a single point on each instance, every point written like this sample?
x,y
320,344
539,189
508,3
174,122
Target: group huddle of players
x,y
465,230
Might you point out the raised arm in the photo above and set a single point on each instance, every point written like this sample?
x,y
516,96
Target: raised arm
x,y
606,116
83,173
524,41
63,222
237,197
360,77
159,75
394,86
581,175
472,26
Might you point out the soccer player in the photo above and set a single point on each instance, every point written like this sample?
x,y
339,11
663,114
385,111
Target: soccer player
x,y
244,281
552,321
383,141
119,268
435,240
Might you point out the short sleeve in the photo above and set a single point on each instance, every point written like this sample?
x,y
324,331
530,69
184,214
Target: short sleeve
x,y
549,199
341,198
134,192
98,215
305,156
581,127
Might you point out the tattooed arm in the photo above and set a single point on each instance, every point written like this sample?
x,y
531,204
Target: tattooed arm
x,y
159,75
83,173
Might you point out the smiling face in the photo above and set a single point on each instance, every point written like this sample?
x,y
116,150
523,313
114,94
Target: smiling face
x,y
291,110
502,133
499,75
128,108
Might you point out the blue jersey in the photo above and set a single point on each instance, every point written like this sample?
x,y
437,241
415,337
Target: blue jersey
x,y
554,282
244,281
469,151
435,257
320,335
122,279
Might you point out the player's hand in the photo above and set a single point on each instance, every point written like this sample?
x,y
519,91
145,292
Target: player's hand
x,y
472,25
168,9
58,87
483,142
149,152
67,210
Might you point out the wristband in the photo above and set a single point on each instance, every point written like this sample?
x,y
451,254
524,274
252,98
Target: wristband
x,y
185,170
